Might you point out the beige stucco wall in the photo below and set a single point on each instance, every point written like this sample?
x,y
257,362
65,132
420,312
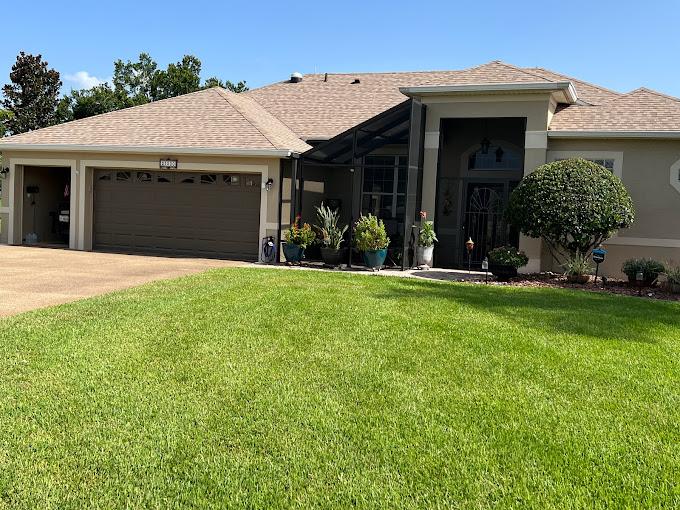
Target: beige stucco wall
x,y
646,173
83,163
536,108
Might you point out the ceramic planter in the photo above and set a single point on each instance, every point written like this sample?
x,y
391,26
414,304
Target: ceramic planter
x,y
503,272
333,257
293,252
375,259
648,282
424,255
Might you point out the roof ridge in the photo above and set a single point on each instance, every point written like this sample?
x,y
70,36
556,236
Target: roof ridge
x,y
600,87
108,114
516,68
656,93
224,94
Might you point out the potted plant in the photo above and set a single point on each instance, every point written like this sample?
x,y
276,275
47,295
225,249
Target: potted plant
x,y
426,239
578,269
330,235
673,278
650,268
504,262
297,238
371,239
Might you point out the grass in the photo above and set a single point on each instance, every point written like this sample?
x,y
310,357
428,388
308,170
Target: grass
x,y
262,388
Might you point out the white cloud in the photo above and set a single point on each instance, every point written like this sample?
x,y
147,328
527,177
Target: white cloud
x,y
84,80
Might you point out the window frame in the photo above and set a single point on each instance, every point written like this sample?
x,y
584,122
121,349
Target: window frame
x,y
617,156
394,193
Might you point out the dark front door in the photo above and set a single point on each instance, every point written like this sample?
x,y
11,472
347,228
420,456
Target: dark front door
x,y
483,219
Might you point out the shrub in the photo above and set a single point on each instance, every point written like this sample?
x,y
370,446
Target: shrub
x,y
578,265
673,274
370,234
427,236
331,234
574,205
508,256
303,235
650,268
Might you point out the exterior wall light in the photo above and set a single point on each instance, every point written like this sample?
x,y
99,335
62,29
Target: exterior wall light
x,y
269,184
485,143
4,172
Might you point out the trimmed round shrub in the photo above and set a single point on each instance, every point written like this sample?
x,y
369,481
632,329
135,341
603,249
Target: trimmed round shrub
x,y
573,205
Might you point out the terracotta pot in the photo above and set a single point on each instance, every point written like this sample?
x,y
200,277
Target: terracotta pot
x,y
424,255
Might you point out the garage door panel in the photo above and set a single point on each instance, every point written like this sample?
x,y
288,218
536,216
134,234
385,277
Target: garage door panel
x,y
214,219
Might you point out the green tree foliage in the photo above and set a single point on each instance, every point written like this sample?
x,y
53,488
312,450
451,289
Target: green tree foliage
x,y
233,87
573,205
140,82
32,94
5,115
135,80
86,103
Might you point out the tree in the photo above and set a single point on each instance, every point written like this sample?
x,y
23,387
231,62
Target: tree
x,y
86,103
180,78
573,205
32,95
234,87
135,79
5,116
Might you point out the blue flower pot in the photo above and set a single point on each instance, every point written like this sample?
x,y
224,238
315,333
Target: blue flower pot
x,y
293,252
375,258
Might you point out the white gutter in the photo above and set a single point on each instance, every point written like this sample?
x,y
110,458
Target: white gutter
x,y
566,87
219,151
670,135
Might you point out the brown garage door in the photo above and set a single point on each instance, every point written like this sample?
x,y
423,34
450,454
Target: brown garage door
x,y
202,214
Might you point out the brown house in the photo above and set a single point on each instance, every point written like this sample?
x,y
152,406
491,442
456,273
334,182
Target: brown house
x,y
214,173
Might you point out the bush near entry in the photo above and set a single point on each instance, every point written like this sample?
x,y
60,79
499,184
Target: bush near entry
x,y
573,205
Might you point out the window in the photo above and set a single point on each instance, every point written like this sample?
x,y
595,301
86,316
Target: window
x,y
208,178
496,157
231,180
611,160
252,181
164,177
144,177
186,178
384,186
607,163
104,176
123,176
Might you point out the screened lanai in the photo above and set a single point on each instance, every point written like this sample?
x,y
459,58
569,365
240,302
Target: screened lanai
x,y
374,167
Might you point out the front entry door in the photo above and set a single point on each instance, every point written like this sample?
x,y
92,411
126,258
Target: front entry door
x,y
483,219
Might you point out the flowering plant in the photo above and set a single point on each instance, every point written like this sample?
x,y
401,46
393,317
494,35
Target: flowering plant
x,y
301,235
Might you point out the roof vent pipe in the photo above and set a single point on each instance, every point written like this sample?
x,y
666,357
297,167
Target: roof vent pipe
x,y
296,77
325,77
356,81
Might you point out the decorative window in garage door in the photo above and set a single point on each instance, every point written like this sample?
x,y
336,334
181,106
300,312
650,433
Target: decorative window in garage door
x,y
104,176
208,179
186,178
231,179
252,181
144,177
165,177
123,176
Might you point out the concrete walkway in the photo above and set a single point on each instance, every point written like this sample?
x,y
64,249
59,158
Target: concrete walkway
x,y
37,277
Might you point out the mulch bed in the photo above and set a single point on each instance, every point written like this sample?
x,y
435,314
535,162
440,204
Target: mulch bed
x,y
610,286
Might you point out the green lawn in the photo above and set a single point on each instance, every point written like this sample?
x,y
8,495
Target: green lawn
x,y
265,388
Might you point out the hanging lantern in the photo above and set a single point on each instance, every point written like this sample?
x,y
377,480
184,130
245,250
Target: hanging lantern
x,y
485,143
499,154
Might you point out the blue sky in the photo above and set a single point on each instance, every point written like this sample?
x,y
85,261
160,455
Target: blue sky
x,y
621,45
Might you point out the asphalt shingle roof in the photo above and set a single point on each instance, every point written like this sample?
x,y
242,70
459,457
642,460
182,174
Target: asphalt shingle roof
x,y
211,118
283,114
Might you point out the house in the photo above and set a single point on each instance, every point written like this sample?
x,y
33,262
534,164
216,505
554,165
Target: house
x,y
214,173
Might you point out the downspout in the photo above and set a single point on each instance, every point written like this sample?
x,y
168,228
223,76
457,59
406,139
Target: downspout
x,y
278,226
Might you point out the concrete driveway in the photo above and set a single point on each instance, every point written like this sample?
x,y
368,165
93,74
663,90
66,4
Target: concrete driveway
x,y
37,277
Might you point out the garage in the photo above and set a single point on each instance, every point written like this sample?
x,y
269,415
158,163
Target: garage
x,y
179,213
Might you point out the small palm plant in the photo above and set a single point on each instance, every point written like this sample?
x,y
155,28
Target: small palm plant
x,y
331,234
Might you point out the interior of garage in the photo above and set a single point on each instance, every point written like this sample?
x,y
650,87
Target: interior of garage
x,y
46,205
